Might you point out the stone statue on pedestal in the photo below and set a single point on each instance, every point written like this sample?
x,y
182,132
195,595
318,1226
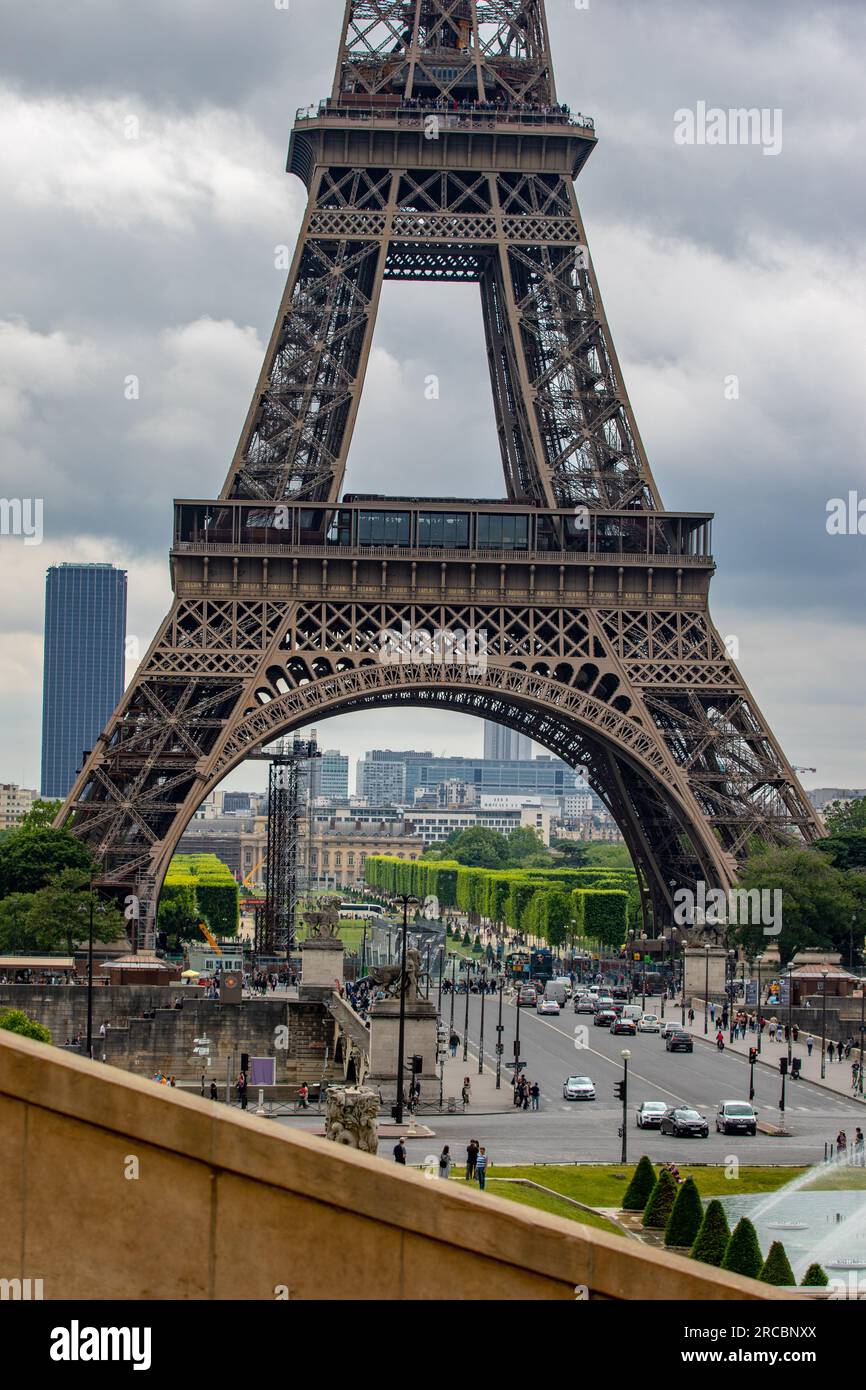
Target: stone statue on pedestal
x,y
353,1118
324,920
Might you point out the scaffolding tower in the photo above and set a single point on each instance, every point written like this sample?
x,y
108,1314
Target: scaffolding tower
x,y
276,918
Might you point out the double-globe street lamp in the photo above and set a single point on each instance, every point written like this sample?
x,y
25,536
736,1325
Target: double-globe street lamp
x,y
100,907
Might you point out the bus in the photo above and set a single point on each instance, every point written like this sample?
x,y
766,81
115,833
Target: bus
x,y
527,966
363,912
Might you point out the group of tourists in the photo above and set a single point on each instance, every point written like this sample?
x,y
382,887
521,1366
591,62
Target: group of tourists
x,y
526,1094
853,1154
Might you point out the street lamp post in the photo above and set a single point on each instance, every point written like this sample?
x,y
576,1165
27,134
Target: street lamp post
x,y
466,1020
643,939
89,911
823,1024
862,1030
625,1056
790,1012
499,1037
707,990
441,969
364,952
481,1033
405,899
759,960
732,955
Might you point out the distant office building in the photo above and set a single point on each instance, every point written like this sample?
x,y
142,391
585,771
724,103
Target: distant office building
x,y
85,637
331,776
505,745
236,803
15,802
381,783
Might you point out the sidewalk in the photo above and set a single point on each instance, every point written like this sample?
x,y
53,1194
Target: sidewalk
x,y
838,1074
485,1099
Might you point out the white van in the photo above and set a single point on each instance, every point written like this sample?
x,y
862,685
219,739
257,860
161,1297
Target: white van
x,y
555,989
633,1011
565,981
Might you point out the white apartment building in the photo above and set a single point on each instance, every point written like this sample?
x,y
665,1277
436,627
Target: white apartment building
x,y
15,802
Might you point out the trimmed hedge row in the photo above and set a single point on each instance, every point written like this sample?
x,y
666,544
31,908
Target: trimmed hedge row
x,y
205,887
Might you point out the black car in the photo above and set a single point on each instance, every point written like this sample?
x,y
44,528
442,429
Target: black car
x,y
679,1042
682,1120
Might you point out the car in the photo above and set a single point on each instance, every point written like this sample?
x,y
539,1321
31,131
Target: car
x,y
671,1026
547,1006
526,995
619,992
650,1112
682,1120
633,1011
584,1004
624,1026
578,1088
565,982
604,1018
649,1023
736,1117
678,1041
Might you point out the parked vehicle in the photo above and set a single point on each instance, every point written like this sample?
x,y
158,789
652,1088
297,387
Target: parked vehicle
x,y
578,1088
736,1117
649,1114
681,1120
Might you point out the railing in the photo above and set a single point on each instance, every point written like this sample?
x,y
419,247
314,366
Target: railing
x,y
453,117
379,552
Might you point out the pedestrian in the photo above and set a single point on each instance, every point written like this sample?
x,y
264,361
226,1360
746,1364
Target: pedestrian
x,y
810,1043
536,1094
830,1050
445,1162
472,1149
795,1033
482,1163
454,1042
400,1151
841,1144
303,1095
859,1148
855,1075
213,1091
518,1081
466,1091
241,1088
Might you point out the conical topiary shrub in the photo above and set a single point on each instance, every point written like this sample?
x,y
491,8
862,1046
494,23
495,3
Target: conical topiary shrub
x,y
712,1239
743,1255
686,1217
777,1267
643,1180
661,1201
814,1278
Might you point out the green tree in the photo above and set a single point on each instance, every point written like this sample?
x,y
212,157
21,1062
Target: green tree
x,y
776,1268
59,916
743,1255
570,852
816,897
477,848
15,936
661,1201
526,846
847,850
686,1217
16,1021
842,818
639,1190
30,858
41,814
814,1278
712,1238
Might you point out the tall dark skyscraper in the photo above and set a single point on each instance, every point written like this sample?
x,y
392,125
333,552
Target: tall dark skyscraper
x,y
82,682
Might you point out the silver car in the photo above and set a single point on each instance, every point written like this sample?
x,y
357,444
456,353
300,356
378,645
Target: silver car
x,y
578,1088
649,1114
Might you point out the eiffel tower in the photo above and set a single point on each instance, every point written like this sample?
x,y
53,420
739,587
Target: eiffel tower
x,y
444,154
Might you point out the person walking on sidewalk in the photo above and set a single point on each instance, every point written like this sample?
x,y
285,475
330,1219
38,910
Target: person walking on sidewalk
x,y
466,1092
482,1163
471,1158
400,1151
859,1149
831,1051
535,1092
810,1043
855,1075
454,1042
445,1162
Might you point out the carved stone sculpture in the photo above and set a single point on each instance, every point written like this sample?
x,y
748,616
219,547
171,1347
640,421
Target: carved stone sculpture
x,y
324,920
353,1118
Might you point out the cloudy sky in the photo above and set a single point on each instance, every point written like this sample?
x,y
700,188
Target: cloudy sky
x,y
142,196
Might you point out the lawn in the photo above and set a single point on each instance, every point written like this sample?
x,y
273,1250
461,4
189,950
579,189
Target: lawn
x,y
841,1179
603,1186
544,1202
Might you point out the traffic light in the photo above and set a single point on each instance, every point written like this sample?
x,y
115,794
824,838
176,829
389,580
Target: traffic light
x,y
417,1065
783,1065
753,1055
619,1090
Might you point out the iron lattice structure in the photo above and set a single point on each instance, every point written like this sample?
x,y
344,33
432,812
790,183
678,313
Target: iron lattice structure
x,y
444,154
276,919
